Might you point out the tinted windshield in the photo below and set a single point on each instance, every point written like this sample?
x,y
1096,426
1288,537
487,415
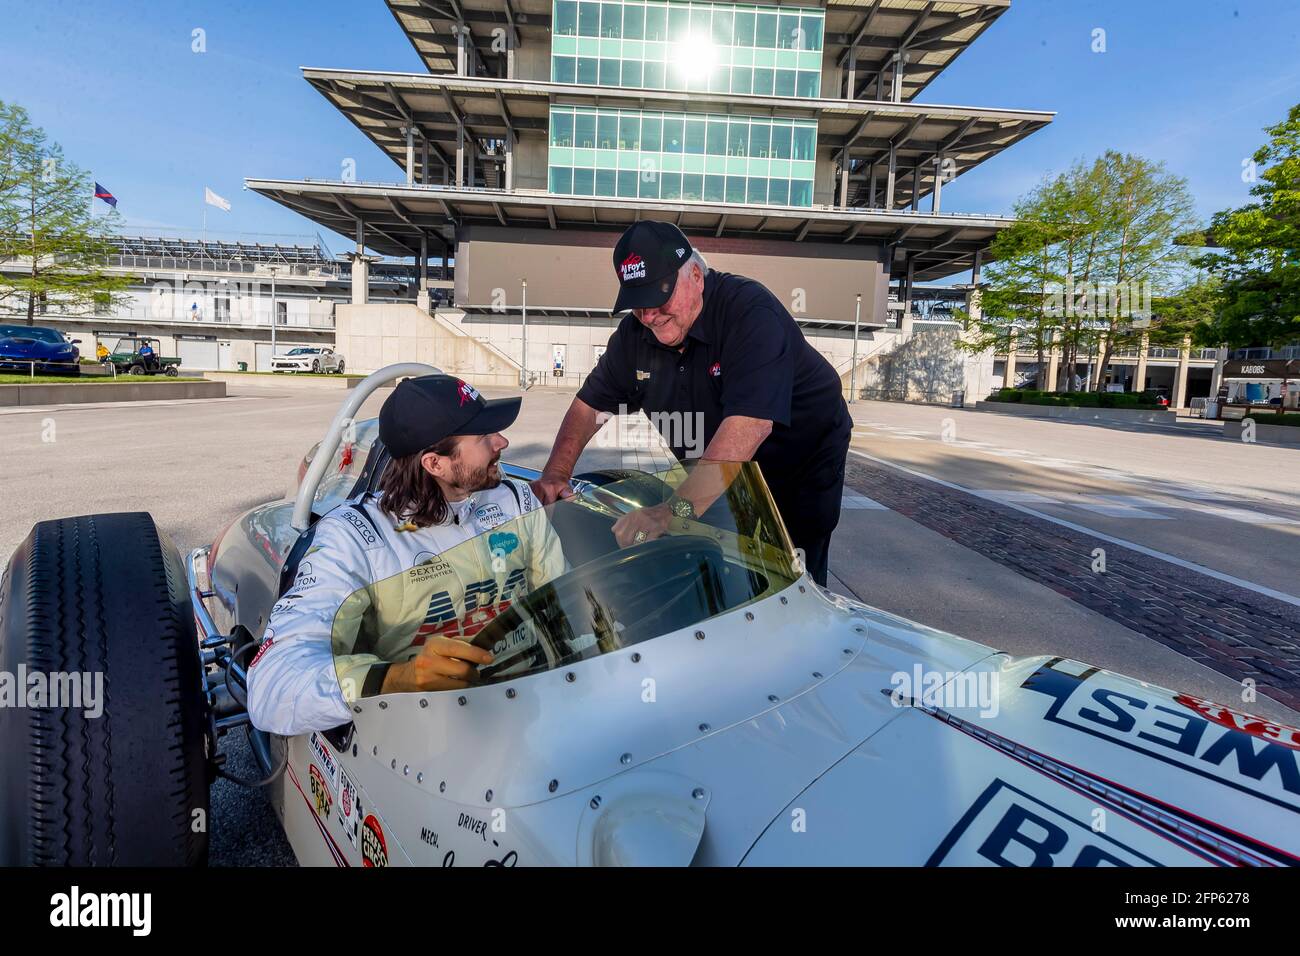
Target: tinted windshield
x,y
29,332
557,585
302,351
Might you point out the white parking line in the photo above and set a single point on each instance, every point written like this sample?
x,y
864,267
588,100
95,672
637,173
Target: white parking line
x,y
1091,532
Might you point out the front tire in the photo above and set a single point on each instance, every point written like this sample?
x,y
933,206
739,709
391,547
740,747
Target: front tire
x,y
137,369
103,595
315,367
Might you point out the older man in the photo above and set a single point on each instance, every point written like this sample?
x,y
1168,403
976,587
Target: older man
x,y
721,350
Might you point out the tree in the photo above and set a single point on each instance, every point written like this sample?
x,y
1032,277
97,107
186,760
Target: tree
x,y
46,225
1087,254
1259,267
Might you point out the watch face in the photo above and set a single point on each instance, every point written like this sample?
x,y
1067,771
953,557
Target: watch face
x,y
683,508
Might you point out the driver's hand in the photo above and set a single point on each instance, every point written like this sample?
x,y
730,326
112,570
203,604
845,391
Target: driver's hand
x,y
444,663
549,488
644,524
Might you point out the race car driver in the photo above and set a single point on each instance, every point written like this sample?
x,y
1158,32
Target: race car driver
x,y
384,601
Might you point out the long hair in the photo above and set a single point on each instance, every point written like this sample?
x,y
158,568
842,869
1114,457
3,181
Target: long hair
x,y
412,494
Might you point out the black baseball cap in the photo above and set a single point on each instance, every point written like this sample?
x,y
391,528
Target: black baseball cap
x,y
423,411
646,259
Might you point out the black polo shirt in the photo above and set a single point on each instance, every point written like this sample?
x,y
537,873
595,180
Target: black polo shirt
x,y
744,355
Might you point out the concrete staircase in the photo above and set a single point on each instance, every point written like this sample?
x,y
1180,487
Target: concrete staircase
x,y
372,336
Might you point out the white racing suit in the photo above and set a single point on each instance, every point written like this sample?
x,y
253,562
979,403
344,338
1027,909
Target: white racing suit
x,y
369,592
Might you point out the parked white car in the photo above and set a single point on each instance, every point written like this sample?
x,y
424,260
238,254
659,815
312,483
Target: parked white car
x,y
308,359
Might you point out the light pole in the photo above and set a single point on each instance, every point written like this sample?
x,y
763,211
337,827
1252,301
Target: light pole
x,y
274,270
523,353
853,369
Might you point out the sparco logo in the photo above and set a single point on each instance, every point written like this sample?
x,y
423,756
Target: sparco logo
x,y
354,519
374,851
633,267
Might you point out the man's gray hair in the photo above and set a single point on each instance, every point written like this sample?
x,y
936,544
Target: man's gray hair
x,y
696,259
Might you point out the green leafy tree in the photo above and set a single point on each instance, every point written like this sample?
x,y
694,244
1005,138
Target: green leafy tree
x,y
1259,262
1079,269
47,228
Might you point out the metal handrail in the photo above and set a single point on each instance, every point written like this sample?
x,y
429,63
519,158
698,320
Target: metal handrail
x,y
346,414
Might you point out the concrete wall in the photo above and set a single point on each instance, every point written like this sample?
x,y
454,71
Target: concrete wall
x,y
1079,414
243,342
372,336
533,62
53,394
530,161
923,365
574,269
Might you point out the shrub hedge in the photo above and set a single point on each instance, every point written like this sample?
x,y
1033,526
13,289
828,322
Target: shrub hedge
x,y
1143,400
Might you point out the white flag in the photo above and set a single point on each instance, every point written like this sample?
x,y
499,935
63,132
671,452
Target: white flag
x,y
212,199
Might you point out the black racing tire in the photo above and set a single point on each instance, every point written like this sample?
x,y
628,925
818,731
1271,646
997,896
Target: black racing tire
x,y
103,594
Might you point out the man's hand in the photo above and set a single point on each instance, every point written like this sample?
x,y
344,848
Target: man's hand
x,y
549,488
644,524
444,663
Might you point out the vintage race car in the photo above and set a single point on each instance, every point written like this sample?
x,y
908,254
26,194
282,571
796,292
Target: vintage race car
x,y
692,699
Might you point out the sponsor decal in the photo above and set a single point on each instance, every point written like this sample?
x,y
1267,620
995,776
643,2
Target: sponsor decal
x,y
320,792
1180,735
1247,723
374,848
305,577
1008,827
526,497
502,543
715,369
261,652
633,267
325,757
362,528
489,516
467,392
482,604
349,804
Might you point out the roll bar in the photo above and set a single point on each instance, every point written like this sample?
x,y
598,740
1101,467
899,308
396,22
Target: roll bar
x,y
330,443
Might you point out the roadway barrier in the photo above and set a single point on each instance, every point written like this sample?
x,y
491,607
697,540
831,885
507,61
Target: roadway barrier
x,y
122,390
1079,413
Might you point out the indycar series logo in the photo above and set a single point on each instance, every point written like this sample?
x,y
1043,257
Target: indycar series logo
x,y
374,848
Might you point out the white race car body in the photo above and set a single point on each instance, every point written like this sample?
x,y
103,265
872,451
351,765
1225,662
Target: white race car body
x,y
796,728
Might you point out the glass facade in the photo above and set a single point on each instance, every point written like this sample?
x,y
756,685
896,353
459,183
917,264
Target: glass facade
x,y
681,156
694,47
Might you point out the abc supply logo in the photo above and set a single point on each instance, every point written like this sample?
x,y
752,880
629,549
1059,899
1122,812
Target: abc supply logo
x,y
633,267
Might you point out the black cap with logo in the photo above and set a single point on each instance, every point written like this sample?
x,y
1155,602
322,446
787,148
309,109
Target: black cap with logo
x,y
646,260
423,411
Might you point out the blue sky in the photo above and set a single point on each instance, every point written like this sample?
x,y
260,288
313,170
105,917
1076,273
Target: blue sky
x,y
116,82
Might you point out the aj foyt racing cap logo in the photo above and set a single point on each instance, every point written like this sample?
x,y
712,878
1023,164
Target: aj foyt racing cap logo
x,y
647,258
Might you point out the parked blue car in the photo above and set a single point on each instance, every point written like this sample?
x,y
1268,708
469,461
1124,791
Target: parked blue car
x,y
21,345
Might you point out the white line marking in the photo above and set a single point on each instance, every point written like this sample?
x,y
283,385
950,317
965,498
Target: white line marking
x,y
861,502
1025,497
1121,511
1140,549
